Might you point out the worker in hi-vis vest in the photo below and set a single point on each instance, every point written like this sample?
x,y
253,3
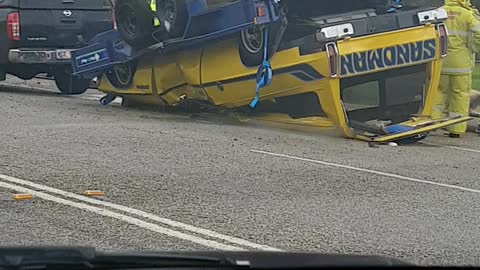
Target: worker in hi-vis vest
x,y
455,82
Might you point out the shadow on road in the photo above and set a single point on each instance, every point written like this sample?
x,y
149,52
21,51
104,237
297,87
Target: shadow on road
x,y
27,90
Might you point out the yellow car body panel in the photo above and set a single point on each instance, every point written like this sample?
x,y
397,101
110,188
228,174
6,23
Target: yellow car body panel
x,y
387,40
141,85
216,74
223,68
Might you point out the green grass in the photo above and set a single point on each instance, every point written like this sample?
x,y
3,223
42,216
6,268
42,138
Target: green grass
x,y
476,77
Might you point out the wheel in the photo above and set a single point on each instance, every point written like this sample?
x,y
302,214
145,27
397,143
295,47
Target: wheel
x,y
24,72
251,46
252,39
173,15
135,22
121,76
69,85
26,75
103,101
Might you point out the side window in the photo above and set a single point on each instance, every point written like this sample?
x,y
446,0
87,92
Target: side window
x,y
405,89
361,96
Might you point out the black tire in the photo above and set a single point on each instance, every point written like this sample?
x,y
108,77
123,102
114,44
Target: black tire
x,y
121,76
135,22
252,51
173,16
24,72
70,85
251,45
26,76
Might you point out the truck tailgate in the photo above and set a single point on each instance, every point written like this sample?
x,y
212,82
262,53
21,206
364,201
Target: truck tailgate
x,y
62,23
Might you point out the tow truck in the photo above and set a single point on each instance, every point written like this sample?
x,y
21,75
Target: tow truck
x,y
371,75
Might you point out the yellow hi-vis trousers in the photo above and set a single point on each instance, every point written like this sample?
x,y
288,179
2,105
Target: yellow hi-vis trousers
x,y
453,100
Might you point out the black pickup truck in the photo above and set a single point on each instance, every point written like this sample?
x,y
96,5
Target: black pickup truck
x,y
37,36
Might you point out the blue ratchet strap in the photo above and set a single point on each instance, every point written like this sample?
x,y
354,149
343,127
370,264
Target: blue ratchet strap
x,y
264,73
395,5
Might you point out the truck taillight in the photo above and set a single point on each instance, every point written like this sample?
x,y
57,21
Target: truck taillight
x,y
261,12
13,26
443,36
332,54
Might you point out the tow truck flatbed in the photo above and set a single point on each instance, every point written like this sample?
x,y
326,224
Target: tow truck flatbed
x,y
109,49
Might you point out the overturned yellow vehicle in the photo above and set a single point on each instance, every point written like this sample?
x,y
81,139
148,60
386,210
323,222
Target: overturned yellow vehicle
x,y
371,76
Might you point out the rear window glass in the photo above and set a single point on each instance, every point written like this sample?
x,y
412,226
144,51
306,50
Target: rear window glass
x,y
392,95
405,88
360,96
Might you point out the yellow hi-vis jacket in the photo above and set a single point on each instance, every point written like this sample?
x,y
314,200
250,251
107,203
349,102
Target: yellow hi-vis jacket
x,y
153,8
464,35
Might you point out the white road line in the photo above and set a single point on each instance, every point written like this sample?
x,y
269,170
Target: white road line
x,y
125,218
453,147
166,221
411,179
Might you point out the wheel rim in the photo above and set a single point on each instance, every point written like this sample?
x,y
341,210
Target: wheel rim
x,y
252,39
168,11
123,74
128,20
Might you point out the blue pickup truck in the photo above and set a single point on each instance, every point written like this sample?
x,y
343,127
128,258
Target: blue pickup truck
x,y
164,26
174,17
144,26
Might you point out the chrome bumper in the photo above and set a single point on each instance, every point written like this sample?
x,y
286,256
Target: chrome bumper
x,y
29,56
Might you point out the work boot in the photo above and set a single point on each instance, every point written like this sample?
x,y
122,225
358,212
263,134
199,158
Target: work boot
x,y
454,135
477,130
474,113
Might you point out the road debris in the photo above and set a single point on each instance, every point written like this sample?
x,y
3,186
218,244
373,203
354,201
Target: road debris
x,y
94,193
22,197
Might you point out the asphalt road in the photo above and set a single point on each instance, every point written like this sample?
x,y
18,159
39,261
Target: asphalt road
x,y
188,182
